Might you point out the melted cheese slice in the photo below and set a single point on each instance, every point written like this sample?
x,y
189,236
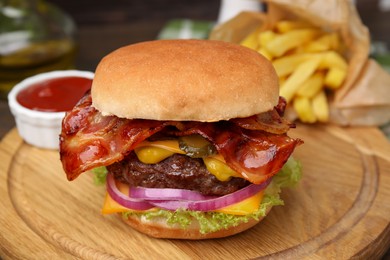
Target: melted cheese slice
x,y
111,206
244,207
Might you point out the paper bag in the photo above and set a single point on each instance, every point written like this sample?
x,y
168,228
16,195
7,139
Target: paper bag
x,y
364,97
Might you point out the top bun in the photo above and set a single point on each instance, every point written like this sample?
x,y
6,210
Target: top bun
x,y
198,80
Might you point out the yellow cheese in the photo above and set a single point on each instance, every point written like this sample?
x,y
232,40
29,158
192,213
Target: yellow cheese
x,y
219,169
247,206
151,155
111,206
154,152
170,145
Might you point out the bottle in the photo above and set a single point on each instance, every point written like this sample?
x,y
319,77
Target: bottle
x,y
230,8
35,37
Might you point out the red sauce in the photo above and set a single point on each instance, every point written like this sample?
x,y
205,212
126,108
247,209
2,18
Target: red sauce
x,y
54,95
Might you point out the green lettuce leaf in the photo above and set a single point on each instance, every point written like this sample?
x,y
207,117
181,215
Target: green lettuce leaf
x,y
289,176
100,174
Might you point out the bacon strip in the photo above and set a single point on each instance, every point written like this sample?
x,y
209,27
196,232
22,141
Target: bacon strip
x,y
271,121
249,146
256,155
90,140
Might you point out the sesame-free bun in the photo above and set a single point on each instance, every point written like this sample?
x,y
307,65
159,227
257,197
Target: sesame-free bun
x,y
199,80
160,228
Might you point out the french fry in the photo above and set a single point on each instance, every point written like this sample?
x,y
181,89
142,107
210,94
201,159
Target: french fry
x,y
332,59
315,46
324,43
307,59
286,65
284,26
300,75
320,106
334,41
265,37
289,40
250,40
335,77
312,85
265,53
304,109
282,80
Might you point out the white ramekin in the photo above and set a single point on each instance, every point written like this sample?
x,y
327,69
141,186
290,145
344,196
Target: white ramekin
x,y
38,128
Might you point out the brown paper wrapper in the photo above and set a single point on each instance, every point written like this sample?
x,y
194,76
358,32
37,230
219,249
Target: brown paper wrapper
x,y
363,98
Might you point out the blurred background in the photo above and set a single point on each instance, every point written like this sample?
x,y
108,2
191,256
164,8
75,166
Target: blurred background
x,y
80,33
105,25
99,26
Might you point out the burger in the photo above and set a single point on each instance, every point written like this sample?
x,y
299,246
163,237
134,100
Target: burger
x,y
189,135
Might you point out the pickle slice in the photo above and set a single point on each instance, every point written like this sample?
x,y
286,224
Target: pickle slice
x,y
196,146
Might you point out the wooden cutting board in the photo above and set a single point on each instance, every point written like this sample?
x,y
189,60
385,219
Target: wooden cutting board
x,y
341,209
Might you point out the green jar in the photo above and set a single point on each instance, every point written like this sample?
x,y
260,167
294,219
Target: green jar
x,y
35,37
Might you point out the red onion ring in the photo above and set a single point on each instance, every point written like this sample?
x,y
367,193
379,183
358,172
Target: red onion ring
x,y
124,200
188,202
212,204
166,194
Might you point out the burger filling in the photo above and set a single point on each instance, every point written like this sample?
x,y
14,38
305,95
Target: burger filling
x,y
221,173
177,171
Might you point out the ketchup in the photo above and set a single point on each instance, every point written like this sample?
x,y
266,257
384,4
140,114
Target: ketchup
x,y
54,95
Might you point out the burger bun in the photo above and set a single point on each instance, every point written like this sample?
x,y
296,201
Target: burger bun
x,y
184,80
159,228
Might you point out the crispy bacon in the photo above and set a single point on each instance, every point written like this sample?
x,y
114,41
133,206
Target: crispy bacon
x,y
271,121
89,140
257,147
256,155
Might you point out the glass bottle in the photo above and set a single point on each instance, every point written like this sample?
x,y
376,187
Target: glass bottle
x,y
35,37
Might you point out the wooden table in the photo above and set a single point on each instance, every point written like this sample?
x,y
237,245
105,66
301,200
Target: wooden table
x,y
106,25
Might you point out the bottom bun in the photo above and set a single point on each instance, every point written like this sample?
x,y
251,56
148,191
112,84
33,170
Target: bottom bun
x,y
160,229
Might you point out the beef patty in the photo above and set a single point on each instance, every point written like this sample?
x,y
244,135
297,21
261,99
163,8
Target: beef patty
x,y
177,171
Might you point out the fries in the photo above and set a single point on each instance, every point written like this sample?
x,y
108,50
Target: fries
x,y
308,60
320,106
251,40
297,78
335,77
312,85
303,106
282,43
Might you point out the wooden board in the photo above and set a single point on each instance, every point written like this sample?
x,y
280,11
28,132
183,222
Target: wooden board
x,y
340,210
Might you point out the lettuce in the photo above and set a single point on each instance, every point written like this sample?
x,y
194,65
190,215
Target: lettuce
x,y
208,221
289,176
100,174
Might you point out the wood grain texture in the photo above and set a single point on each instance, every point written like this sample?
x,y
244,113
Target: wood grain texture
x,y
340,210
